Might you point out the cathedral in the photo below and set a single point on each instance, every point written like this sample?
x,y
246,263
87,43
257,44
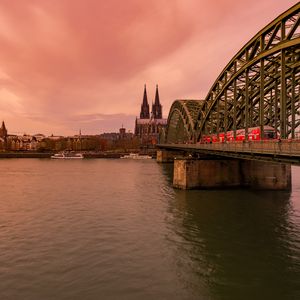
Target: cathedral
x,y
148,126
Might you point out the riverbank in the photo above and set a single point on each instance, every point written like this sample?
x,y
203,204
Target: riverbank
x,y
102,155
48,155
32,154
25,154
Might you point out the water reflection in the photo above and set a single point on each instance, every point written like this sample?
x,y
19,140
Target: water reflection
x,y
114,229
239,244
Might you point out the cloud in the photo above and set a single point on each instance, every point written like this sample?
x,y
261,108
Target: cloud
x,y
61,52
62,59
100,123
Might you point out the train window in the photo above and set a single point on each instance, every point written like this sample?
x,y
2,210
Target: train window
x,y
270,135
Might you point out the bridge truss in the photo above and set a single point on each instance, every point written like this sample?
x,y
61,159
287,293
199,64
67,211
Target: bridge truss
x,y
260,86
182,120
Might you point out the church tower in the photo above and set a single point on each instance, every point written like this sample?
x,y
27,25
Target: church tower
x,y
147,128
3,130
156,107
145,107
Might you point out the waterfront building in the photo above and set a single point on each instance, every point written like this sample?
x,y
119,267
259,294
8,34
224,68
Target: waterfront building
x,y
108,141
3,131
121,140
115,136
39,137
2,144
3,137
148,126
122,132
22,143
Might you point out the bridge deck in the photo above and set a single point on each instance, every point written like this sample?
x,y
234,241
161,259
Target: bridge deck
x,y
280,151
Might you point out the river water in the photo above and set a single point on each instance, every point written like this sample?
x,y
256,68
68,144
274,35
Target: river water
x,y
116,229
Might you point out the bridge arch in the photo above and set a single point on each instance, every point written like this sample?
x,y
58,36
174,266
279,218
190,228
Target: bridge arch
x,y
181,121
259,86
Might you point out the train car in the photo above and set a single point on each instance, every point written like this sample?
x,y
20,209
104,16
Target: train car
x,y
253,135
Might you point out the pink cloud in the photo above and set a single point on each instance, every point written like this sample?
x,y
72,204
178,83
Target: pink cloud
x,y
61,58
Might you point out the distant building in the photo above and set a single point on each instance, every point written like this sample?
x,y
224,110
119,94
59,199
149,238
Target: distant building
x,y
110,136
119,141
3,136
122,132
2,144
21,143
3,131
55,137
148,126
115,136
39,137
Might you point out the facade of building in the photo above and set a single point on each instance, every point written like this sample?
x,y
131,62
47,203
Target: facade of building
x,y
148,126
3,131
22,143
11,142
3,136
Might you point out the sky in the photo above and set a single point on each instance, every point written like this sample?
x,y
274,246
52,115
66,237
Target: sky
x,y
67,65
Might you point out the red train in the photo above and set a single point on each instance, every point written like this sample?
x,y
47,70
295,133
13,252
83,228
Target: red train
x,y
253,135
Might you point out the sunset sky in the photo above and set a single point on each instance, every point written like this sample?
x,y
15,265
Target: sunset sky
x,y
71,64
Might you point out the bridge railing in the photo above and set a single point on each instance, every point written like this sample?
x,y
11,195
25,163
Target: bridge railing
x,y
283,147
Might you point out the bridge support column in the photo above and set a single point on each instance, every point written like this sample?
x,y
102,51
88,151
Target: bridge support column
x,y
192,173
266,175
165,156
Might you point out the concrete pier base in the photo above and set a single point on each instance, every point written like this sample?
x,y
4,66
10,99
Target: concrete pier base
x,y
265,175
164,156
192,173
195,173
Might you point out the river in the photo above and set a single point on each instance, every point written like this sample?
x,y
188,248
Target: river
x,y
116,229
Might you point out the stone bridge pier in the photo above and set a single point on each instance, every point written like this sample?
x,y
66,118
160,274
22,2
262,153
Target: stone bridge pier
x,y
166,156
211,173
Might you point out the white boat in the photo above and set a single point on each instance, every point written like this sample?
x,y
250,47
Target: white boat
x,y
136,156
67,155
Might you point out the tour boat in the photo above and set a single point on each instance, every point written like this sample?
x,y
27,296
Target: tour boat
x,y
136,156
66,155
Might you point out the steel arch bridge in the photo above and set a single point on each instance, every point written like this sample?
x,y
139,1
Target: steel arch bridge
x,y
182,120
260,86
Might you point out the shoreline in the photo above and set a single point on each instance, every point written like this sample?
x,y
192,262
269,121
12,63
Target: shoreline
x,y
47,155
25,155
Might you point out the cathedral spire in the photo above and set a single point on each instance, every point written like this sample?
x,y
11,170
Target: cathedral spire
x,y
156,101
145,106
156,107
145,99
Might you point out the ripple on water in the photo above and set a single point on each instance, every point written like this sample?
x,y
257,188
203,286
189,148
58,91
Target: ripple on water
x,y
116,229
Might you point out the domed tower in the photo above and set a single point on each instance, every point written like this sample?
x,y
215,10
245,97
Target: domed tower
x,y
3,130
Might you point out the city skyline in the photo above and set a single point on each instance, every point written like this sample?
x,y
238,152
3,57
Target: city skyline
x,y
84,65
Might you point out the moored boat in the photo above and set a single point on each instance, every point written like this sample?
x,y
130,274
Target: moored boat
x,y
136,156
67,155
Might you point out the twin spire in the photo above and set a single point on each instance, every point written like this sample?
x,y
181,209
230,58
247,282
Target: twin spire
x,y
156,112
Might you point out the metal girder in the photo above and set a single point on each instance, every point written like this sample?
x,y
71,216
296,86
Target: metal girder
x,y
260,85
181,120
